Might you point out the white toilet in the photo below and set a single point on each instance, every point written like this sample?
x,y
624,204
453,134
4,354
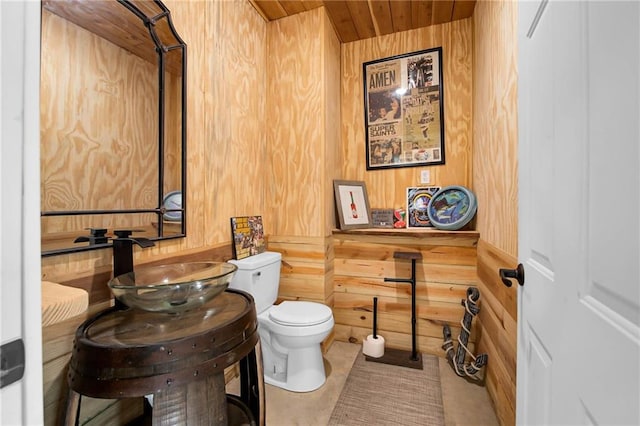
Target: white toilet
x,y
291,332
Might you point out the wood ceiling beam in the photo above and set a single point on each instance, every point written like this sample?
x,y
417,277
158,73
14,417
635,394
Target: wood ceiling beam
x,y
338,12
362,19
381,16
270,10
312,4
401,14
420,14
292,7
463,9
442,11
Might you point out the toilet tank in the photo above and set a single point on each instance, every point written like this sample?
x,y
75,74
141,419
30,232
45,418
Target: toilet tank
x,y
258,275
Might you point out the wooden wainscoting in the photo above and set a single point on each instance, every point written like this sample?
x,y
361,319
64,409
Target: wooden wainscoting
x,y
363,258
498,329
306,272
307,268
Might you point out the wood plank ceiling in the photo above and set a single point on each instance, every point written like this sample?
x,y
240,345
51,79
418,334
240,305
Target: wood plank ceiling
x,y
360,19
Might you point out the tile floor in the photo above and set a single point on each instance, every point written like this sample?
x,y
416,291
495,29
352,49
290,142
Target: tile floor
x,y
464,403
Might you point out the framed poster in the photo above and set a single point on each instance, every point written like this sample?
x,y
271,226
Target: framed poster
x,y
404,111
352,204
247,233
418,200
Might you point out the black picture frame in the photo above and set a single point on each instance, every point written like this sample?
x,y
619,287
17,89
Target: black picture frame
x,y
404,110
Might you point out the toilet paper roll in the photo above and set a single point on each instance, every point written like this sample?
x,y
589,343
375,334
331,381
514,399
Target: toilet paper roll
x,y
373,347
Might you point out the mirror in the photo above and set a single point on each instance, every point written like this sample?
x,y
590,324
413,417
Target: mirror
x,y
113,123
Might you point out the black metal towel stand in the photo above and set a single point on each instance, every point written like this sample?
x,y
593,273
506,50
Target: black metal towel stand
x,y
397,356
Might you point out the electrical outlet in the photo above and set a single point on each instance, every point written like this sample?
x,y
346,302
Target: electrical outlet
x,y
425,176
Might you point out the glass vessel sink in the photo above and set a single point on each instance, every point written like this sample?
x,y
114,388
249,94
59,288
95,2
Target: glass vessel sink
x,y
173,287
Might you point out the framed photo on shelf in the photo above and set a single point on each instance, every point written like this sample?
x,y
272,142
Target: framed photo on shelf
x,y
247,233
352,204
418,199
382,218
404,111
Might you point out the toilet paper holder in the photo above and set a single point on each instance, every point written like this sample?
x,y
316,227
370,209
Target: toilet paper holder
x,y
397,356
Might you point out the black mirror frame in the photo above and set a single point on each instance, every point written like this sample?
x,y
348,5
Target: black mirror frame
x,y
161,49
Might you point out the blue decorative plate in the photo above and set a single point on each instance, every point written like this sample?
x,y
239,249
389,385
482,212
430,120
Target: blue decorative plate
x,y
452,208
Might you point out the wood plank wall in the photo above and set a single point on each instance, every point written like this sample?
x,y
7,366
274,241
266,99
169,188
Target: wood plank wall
x,y
307,268
304,151
363,258
226,47
387,188
363,261
95,128
302,136
498,329
226,44
495,177
228,155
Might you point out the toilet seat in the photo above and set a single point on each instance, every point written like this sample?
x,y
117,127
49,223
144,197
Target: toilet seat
x,y
300,313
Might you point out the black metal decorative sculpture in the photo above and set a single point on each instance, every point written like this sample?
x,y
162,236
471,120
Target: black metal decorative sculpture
x,y
457,359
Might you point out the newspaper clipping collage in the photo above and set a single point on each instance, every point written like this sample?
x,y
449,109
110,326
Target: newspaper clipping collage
x,y
404,110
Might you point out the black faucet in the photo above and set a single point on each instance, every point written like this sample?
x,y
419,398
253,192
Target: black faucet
x,y
96,236
123,250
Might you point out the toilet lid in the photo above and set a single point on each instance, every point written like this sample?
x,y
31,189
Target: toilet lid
x,y
300,313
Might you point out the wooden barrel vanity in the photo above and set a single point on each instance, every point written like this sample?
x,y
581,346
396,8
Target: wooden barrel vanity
x,y
177,358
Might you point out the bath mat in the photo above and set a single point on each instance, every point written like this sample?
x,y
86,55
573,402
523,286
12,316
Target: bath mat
x,y
384,394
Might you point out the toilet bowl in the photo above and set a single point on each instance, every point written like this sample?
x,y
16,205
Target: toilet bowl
x,y
292,350
291,332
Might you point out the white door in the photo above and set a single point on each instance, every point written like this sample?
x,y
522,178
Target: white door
x,y
579,212
21,401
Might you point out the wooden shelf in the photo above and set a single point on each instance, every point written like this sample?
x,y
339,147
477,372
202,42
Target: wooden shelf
x,y
406,232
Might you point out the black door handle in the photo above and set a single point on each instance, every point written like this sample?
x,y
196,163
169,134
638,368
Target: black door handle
x,y
507,274
11,362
